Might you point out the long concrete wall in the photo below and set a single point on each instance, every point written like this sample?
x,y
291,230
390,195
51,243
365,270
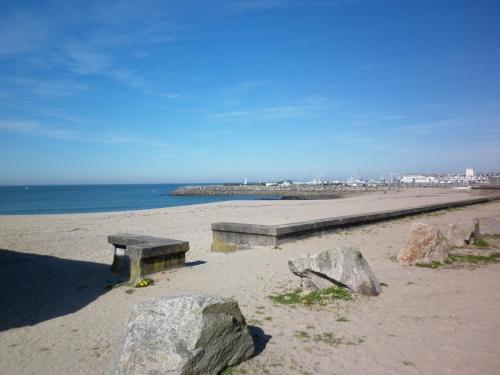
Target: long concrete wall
x,y
229,237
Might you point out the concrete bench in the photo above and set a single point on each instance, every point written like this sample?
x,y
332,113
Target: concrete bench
x,y
137,255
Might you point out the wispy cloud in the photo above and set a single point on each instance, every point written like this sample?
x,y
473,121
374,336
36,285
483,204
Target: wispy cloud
x,y
307,107
83,60
63,132
93,43
35,128
262,113
429,128
49,88
22,33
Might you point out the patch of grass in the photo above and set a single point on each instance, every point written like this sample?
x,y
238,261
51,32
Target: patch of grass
x,y
464,258
269,318
384,284
337,293
482,243
130,291
302,335
476,259
433,264
317,297
327,338
342,319
330,339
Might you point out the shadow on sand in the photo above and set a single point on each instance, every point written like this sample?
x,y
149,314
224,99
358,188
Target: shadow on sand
x,y
260,339
36,288
195,263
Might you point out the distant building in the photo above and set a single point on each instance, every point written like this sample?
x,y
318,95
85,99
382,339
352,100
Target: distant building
x,y
286,183
494,180
418,179
469,174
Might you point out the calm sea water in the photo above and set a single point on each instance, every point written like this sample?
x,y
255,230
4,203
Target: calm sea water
x,y
95,198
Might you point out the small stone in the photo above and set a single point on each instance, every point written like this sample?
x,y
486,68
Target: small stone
x,y
425,244
191,334
343,266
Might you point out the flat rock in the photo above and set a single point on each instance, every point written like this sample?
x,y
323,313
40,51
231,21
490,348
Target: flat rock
x,y
425,244
463,233
489,226
343,266
191,334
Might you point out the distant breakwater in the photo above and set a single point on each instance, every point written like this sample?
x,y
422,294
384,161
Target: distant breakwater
x,y
286,192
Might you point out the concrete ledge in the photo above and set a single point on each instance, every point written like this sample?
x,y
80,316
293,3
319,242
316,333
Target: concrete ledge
x,y
137,255
229,237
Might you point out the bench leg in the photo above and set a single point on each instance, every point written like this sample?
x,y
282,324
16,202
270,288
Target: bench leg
x,y
121,261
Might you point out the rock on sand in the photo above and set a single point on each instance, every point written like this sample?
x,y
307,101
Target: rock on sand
x,y
462,234
425,244
489,226
192,334
344,266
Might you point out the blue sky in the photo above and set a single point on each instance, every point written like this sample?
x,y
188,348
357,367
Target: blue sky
x,y
185,91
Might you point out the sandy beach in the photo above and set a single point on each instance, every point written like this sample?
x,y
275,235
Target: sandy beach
x,y
59,316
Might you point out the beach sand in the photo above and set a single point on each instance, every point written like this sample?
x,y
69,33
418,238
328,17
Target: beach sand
x,y
59,317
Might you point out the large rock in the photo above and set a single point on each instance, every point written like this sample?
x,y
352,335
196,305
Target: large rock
x,y
192,334
425,244
345,267
489,226
462,234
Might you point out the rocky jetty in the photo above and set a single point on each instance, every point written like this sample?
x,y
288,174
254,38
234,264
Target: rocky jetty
x,y
286,192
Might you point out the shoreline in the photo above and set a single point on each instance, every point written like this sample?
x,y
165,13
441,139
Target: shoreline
x,y
431,192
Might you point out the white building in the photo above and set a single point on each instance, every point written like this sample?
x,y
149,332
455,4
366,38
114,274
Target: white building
x,y
469,174
418,179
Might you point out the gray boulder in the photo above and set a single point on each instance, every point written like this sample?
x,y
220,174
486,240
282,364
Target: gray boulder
x,y
425,244
345,267
462,234
192,334
489,226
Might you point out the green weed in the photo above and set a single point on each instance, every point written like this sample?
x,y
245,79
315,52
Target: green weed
x,y
317,297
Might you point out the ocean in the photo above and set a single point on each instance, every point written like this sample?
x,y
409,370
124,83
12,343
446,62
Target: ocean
x,y
64,199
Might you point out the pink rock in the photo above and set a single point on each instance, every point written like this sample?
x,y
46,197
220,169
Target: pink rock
x,y
425,244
